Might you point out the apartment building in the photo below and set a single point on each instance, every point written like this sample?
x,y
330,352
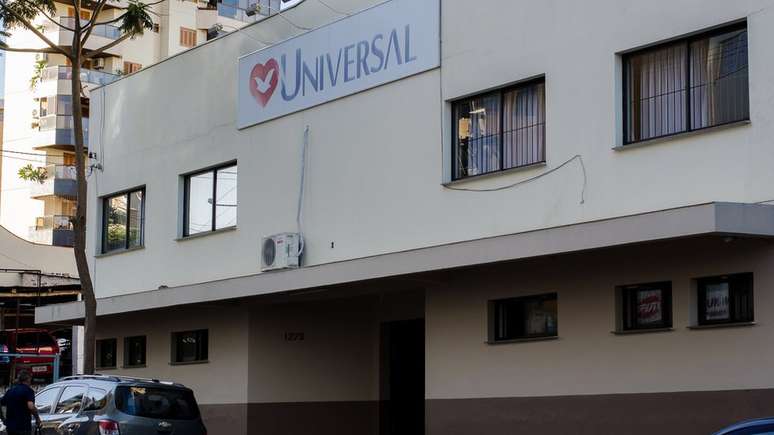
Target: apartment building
x,y
37,90
518,217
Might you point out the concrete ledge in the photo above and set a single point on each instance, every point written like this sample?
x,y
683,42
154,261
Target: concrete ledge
x,y
732,219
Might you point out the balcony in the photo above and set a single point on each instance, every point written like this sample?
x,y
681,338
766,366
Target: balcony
x,y
57,131
104,30
101,35
60,181
54,230
89,76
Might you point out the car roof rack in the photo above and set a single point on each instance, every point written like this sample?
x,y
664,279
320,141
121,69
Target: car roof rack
x,y
118,378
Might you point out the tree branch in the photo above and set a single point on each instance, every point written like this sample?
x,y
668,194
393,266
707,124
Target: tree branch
x,y
114,20
33,29
52,19
90,25
100,50
28,50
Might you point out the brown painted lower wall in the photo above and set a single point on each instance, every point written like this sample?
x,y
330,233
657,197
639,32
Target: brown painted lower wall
x,y
632,414
689,413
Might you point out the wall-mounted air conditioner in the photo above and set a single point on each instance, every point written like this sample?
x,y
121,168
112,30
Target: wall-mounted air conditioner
x,y
41,57
281,251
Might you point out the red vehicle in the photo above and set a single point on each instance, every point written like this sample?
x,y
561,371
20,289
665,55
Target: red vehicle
x,y
31,341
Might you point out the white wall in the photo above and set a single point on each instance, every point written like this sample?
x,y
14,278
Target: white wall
x,y
377,160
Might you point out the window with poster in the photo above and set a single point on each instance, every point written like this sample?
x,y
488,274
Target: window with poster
x,y
645,306
725,299
527,317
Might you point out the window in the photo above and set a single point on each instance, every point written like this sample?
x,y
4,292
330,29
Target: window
x,y
523,317
499,130
725,299
687,85
44,400
131,67
97,399
70,400
123,221
85,14
106,353
645,306
187,37
189,346
156,28
157,402
134,351
202,214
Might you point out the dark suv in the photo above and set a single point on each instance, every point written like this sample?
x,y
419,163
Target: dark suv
x,y
113,405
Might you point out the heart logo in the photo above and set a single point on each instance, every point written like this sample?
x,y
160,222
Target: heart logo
x,y
263,81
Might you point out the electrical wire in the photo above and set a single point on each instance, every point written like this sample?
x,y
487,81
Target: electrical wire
x,y
332,9
300,209
528,180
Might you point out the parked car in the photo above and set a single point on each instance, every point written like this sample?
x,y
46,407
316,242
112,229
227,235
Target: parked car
x,y
32,341
760,426
113,405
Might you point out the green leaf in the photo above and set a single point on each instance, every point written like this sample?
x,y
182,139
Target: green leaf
x,y
29,173
136,19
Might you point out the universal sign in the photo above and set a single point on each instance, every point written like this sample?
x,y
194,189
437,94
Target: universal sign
x,y
379,45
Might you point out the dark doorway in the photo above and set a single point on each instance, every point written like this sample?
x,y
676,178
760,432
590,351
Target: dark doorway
x,y
402,375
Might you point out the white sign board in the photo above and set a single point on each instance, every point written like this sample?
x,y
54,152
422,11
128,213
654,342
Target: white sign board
x,y
382,44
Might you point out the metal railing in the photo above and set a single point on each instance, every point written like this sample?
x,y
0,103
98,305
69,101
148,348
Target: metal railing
x,y
55,222
104,30
63,125
63,72
59,181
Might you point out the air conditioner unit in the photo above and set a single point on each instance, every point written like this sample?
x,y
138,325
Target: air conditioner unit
x,y
281,251
99,63
35,113
41,57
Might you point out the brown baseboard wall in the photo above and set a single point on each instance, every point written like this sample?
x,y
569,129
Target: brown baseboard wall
x,y
685,413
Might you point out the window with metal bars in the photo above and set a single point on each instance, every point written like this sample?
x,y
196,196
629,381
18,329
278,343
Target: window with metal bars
x,y
686,85
725,299
499,130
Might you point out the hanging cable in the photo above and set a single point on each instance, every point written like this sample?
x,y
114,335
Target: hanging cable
x,y
332,9
300,209
528,180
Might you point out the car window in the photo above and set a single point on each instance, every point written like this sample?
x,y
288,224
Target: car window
x,y
70,400
763,429
153,402
45,399
98,399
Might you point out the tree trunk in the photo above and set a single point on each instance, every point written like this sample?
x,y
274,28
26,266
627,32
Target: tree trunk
x,y
79,223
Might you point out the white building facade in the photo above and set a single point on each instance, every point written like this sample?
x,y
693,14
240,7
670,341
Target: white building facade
x,y
539,218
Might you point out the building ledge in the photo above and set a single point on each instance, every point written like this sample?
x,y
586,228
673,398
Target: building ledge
x,y
721,219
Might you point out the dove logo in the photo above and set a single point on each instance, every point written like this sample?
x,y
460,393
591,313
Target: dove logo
x,y
263,81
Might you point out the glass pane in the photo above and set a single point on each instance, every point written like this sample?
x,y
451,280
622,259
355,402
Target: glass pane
x,y
98,399
45,399
135,351
136,224
716,301
191,346
70,401
157,403
540,317
199,203
719,80
649,307
115,233
226,206
524,126
477,147
106,353
655,87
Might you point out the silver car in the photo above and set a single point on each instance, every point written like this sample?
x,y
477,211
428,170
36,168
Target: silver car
x,y
113,405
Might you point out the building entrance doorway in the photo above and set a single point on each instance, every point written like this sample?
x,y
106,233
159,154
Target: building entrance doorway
x,y
402,373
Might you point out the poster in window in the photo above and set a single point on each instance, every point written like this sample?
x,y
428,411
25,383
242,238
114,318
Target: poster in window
x,y
717,302
649,303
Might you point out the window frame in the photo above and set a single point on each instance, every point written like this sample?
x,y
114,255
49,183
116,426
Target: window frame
x,y
200,358
54,402
627,296
502,91
748,280
493,318
98,354
56,412
127,346
188,35
187,197
127,193
686,41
